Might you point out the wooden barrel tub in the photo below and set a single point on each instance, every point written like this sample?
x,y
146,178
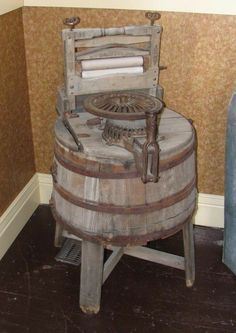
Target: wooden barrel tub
x,y
98,194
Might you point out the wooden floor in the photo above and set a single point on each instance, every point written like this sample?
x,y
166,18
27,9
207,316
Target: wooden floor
x,y
40,295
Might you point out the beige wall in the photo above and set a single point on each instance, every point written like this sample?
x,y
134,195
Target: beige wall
x,y
200,6
9,5
226,7
16,146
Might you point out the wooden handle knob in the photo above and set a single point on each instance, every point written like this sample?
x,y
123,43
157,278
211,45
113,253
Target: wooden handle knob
x,y
153,16
72,21
162,67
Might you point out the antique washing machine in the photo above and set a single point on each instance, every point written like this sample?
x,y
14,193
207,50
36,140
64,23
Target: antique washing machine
x,y
124,164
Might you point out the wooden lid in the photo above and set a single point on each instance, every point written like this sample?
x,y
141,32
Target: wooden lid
x,y
175,133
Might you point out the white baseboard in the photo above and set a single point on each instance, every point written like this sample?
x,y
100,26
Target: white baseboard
x,y
210,211
45,187
18,213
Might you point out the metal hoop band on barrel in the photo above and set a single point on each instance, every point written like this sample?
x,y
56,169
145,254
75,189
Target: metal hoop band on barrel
x,y
118,240
115,209
76,164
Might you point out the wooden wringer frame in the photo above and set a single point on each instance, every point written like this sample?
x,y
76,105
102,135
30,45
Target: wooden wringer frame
x,y
124,165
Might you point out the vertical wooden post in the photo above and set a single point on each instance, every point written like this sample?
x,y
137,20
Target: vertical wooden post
x,y
154,59
91,276
58,240
69,63
189,253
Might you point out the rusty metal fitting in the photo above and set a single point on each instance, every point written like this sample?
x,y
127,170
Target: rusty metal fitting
x,y
151,150
71,22
152,16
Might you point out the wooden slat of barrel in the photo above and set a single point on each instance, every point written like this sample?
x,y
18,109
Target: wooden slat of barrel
x,y
126,192
122,230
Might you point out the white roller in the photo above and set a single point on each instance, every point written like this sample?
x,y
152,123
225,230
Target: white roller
x,y
104,72
111,63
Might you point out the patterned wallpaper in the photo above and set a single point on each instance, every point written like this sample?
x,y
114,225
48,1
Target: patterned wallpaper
x,y
16,146
198,49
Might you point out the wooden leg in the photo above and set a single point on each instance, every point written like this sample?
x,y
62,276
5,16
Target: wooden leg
x,y
189,254
91,276
58,240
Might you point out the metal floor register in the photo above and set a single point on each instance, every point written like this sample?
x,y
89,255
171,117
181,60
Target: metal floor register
x,y
70,252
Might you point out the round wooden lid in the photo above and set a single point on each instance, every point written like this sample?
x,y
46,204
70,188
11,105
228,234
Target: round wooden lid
x,y
174,133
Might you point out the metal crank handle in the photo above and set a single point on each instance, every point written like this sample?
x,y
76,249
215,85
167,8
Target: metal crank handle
x,y
152,16
71,21
151,150
71,131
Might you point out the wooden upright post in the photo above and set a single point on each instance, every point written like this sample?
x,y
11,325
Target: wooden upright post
x,y
189,253
91,276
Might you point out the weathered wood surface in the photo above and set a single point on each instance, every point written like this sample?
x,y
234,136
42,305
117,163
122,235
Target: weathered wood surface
x,y
110,52
69,69
62,105
90,288
124,209
111,42
120,229
110,190
112,261
100,32
189,254
156,256
122,39
91,276
58,239
114,82
175,132
91,284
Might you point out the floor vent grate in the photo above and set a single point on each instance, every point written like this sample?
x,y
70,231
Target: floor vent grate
x,y
70,252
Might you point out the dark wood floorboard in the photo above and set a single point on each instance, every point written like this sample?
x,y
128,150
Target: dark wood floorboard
x,y
40,295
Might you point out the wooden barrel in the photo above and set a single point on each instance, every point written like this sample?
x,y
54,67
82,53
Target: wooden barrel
x,y
98,194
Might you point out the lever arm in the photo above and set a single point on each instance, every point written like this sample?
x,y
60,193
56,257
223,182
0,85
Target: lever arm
x,y
151,150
